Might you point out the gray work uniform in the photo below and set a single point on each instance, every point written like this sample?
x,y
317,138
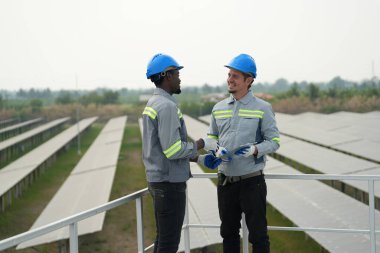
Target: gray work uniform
x,y
238,122
166,151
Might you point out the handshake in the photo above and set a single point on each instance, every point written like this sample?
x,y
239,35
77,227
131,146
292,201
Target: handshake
x,y
218,154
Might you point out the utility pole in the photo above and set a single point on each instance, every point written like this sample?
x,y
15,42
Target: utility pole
x,y
78,136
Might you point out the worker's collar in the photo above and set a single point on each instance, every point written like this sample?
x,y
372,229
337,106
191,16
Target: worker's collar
x,y
162,92
244,100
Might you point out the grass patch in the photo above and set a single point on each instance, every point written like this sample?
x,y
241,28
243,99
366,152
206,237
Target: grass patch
x,y
20,216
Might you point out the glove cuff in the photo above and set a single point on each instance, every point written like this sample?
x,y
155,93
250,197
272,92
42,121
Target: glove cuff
x,y
252,150
210,144
201,159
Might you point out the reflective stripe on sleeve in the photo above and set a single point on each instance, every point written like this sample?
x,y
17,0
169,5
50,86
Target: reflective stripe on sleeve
x,y
276,140
213,136
150,112
173,149
179,113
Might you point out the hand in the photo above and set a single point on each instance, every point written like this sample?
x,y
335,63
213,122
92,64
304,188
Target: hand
x,y
210,144
246,150
220,152
210,161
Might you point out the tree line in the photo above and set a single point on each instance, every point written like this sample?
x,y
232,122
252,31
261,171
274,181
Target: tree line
x,y
191,100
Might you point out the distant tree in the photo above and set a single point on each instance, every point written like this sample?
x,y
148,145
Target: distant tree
x,y
332,92
220,88
64,98
46,93
21,93
91,98
294,90
281,85
339,83
313,91
124,92
36,105
206,89
32,93
1,101
110,97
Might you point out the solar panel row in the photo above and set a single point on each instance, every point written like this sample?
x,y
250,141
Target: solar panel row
x,y
89,185
354,133
6,122
18,174
13,130
16,145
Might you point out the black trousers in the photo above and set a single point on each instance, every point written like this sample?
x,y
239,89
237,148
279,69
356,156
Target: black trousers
x,y
248,196
169,200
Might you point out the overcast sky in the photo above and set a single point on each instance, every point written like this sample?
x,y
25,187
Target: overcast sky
x,y
44,43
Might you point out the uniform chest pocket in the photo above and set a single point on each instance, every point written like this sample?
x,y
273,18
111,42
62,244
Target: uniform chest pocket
x,y
223,124
248,127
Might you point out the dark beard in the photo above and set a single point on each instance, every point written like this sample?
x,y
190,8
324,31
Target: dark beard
x,y
178,91
232,91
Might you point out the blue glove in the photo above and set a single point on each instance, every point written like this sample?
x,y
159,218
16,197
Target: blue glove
x,y
245,150
210,161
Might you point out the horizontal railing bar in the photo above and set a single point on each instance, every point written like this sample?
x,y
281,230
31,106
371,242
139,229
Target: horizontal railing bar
x,y
149,247
303,176
15,240
300,229
190,225
332,230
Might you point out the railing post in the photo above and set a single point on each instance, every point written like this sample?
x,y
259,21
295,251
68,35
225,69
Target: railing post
x,y
186,231
73,237
372,227
140,225
245,234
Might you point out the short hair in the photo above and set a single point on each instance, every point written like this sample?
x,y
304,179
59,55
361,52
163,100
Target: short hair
x,y
157,79
246,75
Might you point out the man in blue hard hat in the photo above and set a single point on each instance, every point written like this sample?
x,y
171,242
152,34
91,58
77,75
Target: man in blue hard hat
x,y
166,152
246,126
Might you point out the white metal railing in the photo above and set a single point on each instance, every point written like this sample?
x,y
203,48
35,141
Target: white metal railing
x,y
371,198
73,220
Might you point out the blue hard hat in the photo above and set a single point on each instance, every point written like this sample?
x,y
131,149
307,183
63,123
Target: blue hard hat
x,y
159,63
243,63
